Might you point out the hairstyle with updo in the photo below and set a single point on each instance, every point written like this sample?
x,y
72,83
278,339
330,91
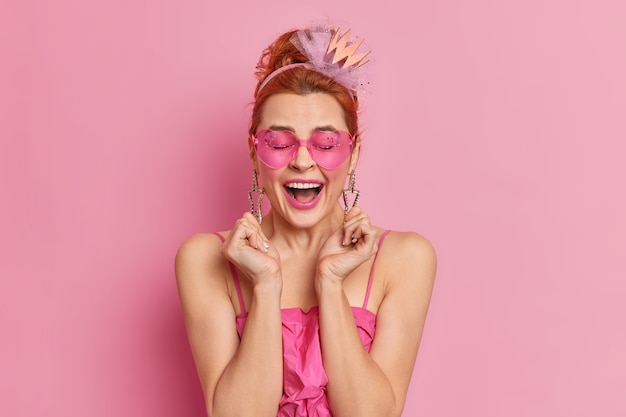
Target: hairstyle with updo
x,y
298,80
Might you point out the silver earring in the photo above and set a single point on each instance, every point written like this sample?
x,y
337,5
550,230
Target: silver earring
x,y
347,192
256,210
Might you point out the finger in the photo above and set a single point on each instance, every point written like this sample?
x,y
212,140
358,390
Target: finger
x,y
354,211
355,217
356,228
354,233
249,217
257,238
261,242
244,233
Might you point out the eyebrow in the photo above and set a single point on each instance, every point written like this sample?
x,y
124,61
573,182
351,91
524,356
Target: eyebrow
x,y
324,128
279,127
329,128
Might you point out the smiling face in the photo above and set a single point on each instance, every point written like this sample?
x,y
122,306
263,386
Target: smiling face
x,y
302,192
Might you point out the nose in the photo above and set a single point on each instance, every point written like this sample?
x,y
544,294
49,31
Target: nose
x,y
302,160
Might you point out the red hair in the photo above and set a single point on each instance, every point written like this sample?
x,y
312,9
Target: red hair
x,y
297,80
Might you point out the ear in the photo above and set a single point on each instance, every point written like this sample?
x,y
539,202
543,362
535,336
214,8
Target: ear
x,y
253,156
356,153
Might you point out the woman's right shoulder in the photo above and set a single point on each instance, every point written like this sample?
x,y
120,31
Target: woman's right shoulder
x,y
199,243
206,291
200,255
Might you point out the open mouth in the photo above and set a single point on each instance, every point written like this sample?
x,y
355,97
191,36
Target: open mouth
x,y
303,192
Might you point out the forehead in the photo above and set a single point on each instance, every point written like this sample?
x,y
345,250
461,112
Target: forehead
x,y
303,113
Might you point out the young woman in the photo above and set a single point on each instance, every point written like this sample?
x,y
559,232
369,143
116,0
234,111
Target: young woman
x,y
309,309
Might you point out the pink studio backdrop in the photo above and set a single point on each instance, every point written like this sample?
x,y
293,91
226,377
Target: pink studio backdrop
x,y
495,128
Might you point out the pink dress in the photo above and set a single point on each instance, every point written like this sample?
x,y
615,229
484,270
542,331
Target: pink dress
x,y
304,377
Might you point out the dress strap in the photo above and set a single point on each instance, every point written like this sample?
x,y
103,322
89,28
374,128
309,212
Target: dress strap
x,y
233,271
369,281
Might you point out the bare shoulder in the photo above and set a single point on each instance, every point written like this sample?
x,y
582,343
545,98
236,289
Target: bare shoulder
x,y
199,263
199,250
409,248
198,246
409,260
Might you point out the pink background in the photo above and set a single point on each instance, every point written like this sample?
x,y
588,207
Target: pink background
x,y
495,128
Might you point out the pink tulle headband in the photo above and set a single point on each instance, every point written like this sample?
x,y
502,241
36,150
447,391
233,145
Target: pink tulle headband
x,y
331,54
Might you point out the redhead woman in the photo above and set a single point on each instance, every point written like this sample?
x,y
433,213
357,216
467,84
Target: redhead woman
x,y
308,309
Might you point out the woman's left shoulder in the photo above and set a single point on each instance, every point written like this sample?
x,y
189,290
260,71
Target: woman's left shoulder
x,y
407,254
408,244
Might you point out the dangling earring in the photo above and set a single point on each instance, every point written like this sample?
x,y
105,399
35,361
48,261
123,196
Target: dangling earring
x,y
350,190
256,211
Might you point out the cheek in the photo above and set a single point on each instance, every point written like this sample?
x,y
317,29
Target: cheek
x,y
337,177
267,176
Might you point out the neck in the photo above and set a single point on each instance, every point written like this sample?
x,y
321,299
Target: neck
x,y
296,238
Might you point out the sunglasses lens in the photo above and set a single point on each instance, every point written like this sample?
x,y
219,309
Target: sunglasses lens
x,y
330,149
276,148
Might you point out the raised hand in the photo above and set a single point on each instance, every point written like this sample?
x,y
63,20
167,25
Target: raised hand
x,y
249,249
348,247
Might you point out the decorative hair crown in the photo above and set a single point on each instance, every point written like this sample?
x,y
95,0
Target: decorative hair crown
x,y
330,53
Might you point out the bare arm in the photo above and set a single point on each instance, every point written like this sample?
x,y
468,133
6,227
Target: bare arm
x,y
239,378
376,384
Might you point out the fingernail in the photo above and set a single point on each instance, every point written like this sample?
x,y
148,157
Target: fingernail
x,y
266,245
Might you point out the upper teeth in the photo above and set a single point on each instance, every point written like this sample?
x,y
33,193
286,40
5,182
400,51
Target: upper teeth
x,y
303,185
